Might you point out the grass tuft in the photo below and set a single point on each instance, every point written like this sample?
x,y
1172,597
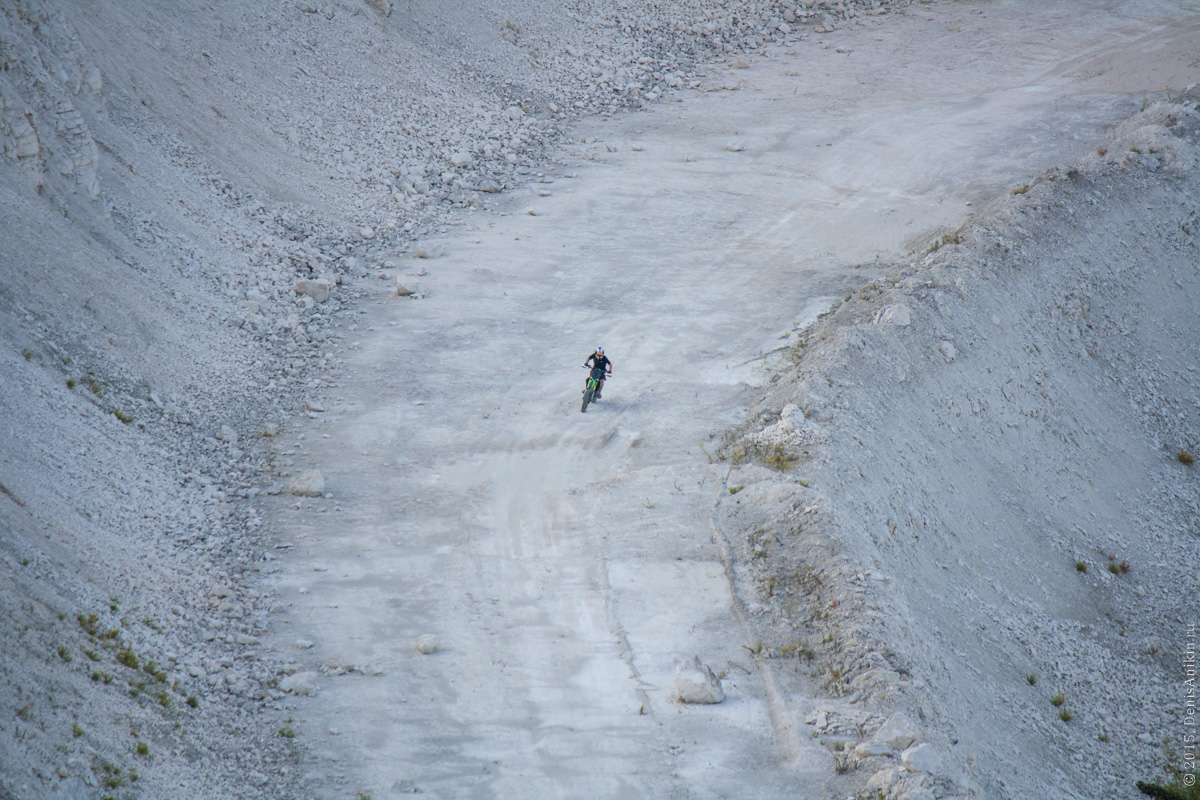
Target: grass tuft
x,y
1058,699
1185,458
1031,679
1081,566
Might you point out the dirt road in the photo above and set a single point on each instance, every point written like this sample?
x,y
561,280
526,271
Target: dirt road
x,y
568,561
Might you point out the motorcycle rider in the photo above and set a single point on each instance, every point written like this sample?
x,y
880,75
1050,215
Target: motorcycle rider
x,y
599,361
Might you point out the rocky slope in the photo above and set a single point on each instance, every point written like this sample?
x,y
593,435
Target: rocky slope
x,y
969,495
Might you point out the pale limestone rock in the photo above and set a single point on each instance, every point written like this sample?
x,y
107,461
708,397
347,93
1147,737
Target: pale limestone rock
x,y
310,484
896,732
696,683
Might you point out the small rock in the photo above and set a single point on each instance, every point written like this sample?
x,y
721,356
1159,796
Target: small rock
x,y
430,251
275,488
303,644
317,289
739,63
366,232
402,290
872,748
461,159
313,405
896,732
921,758
300,683
227,434
735,145
427,644
310,484
489,186
898,315
883,780
948,350
531,212
405,787
696,683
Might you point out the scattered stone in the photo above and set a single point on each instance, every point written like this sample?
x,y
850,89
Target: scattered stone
x,y
883,780
872,748
317,289
735,145
461,160
366,232
430,251
533,212
948,350
489,186
739,63
303,644
696,683
303,684
897,315
402,290
896,732
310,484
427,644
313,405
921,758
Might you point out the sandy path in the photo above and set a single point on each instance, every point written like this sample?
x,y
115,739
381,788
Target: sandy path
x,y
568,561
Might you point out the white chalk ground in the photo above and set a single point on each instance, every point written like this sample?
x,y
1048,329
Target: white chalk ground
x,y
567,562
169,171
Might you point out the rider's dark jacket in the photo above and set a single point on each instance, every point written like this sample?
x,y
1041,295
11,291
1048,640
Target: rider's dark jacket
x,y
602,361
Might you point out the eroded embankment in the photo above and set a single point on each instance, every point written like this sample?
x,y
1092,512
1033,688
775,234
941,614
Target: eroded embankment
x,y
995,531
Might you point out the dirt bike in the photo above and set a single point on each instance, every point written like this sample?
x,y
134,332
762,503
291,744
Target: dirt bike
x,y
592,386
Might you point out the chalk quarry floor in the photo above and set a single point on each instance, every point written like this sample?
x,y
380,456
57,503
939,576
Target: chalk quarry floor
x,y
566,561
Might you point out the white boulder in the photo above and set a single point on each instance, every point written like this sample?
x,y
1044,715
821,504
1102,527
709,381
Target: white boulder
x,y
896,731
427,644
696,683
301,683
310,484
317,289
921,758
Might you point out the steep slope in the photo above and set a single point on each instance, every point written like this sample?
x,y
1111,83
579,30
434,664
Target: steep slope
x,y
998,535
